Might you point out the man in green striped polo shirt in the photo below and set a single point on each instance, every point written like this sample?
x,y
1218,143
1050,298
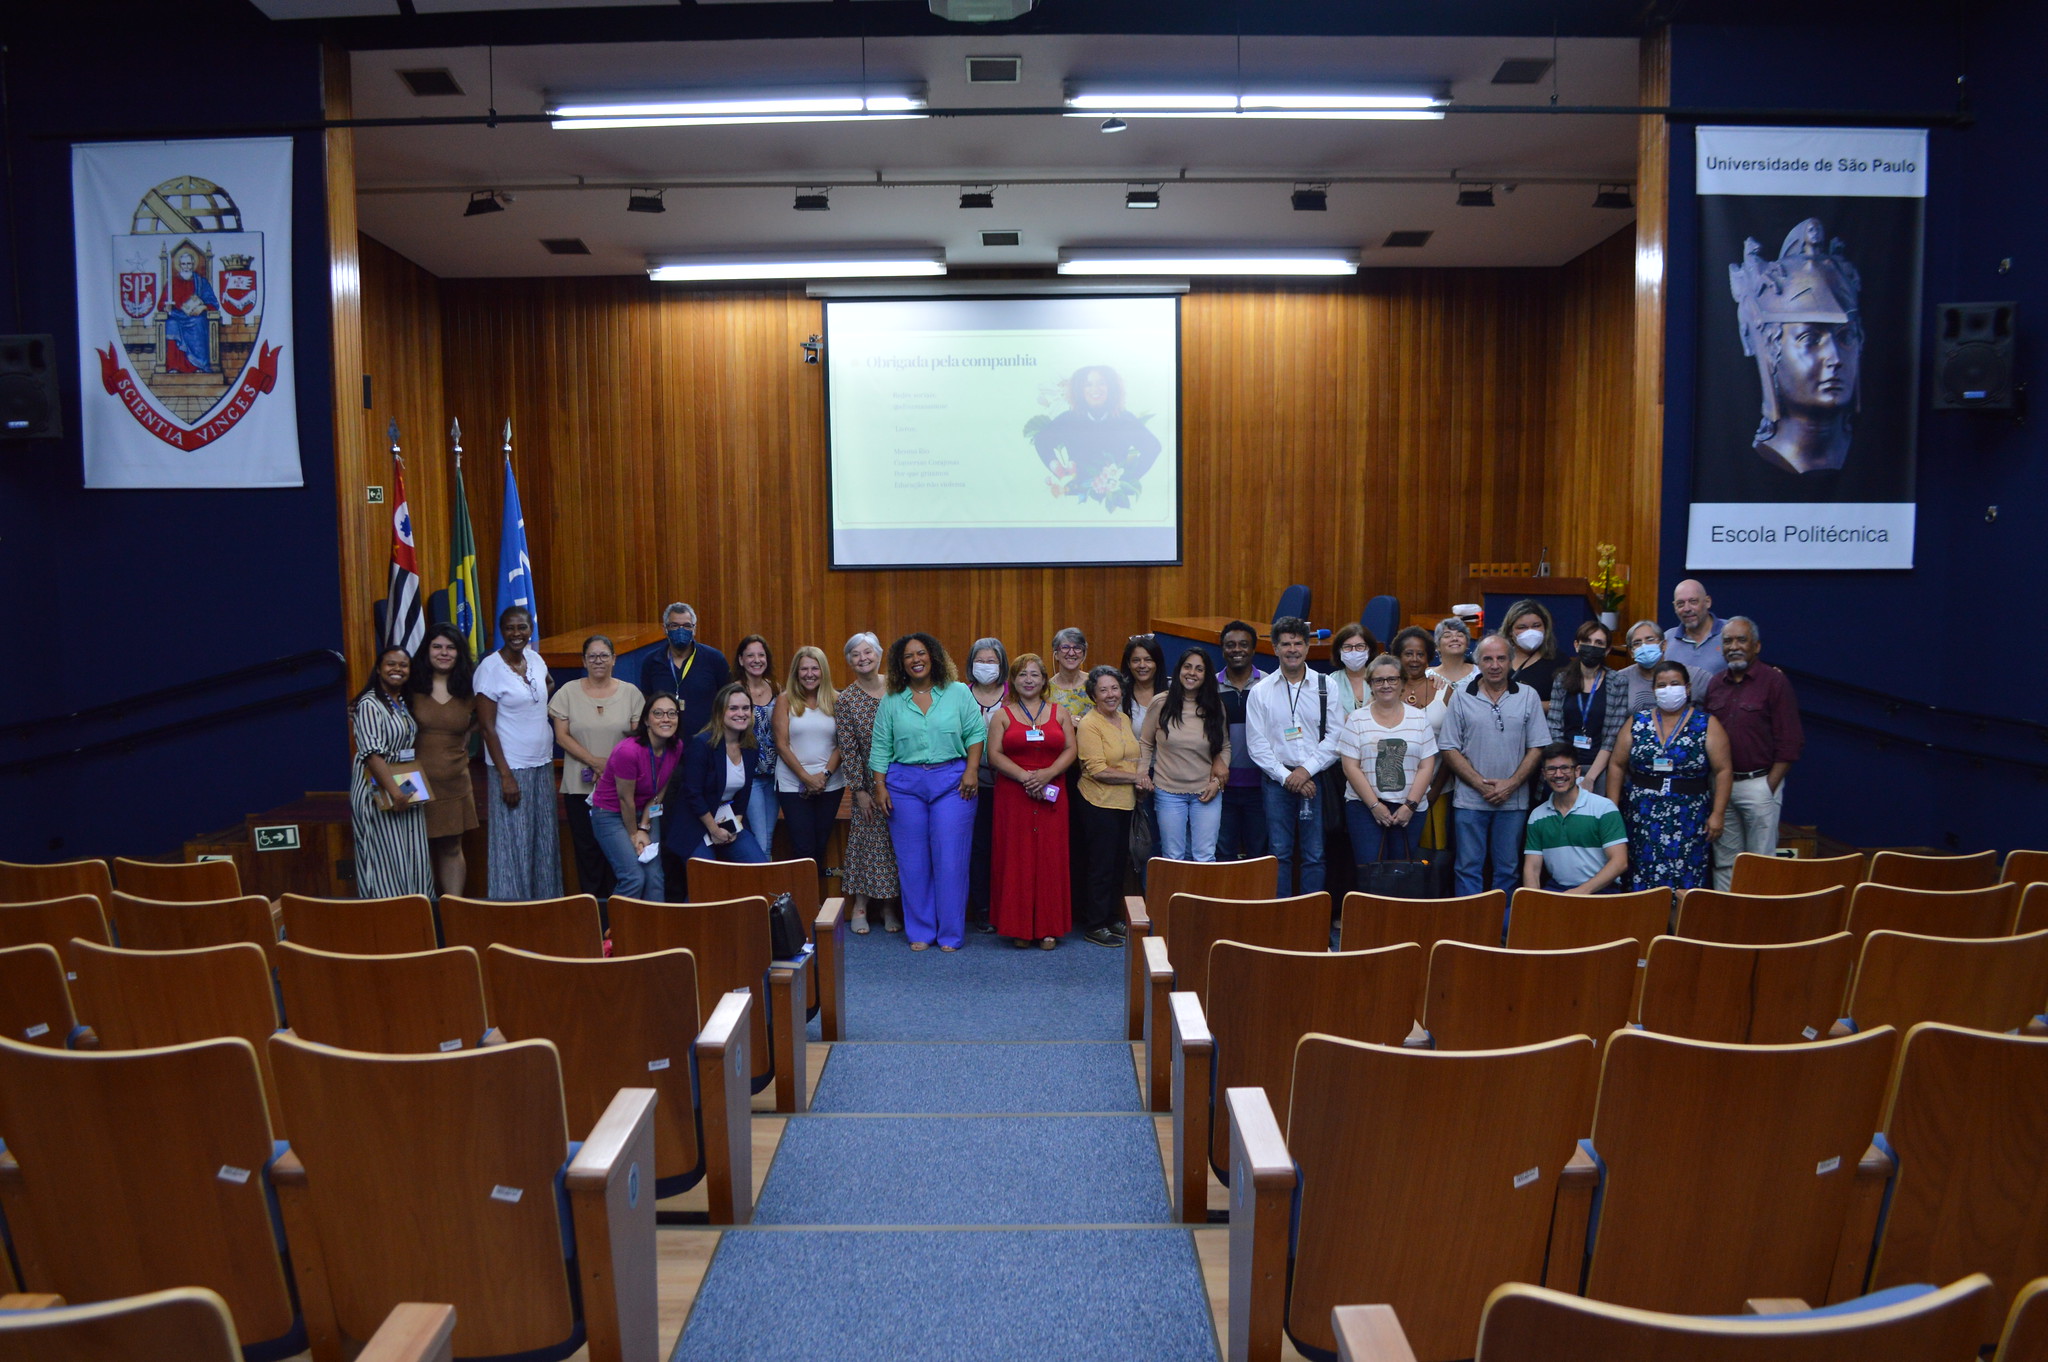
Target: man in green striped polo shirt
x,y
1575,839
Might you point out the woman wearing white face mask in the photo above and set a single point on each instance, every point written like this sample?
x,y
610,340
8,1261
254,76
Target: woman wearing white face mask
x,y
1646,650
1532,649
1353,647
1671,776
988,666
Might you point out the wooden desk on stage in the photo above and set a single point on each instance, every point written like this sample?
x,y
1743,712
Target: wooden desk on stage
x,y
1176,636
564,651
1567,599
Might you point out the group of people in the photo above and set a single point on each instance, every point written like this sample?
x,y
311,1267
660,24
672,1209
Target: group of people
x,y
1012,799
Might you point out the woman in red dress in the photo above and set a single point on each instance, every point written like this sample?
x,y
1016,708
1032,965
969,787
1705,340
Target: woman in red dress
x,y
1031,741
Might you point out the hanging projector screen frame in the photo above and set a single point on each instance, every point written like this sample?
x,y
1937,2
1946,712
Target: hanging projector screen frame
x,y
1171,450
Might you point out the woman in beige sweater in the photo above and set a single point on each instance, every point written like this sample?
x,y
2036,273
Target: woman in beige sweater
x,y
1184,759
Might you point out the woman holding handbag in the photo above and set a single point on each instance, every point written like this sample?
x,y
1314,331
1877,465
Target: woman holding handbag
x,y
1387,750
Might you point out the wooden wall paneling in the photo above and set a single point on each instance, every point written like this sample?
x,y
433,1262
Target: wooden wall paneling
x,y
402,357
1653,207
1592,490
353,460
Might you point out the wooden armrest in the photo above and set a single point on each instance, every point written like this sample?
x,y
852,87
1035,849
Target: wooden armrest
x,y
1193,1047
1418,1039
1158,966
1840,1029
829,932
85,1038
1136,919
1155,982
1774,1305
30,1300
725,1068
286,1170
491,1037
789,1034
413,1332
1859,1226
1368,1333
1262,1180
309,1256
611,1201
830,915
598,1162
2036,1026
1571,1218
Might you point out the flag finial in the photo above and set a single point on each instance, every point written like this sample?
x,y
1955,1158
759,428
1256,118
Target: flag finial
x,y
508,435
455,437
392,432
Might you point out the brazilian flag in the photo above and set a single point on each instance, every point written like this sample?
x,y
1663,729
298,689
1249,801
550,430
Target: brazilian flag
x,y
463,602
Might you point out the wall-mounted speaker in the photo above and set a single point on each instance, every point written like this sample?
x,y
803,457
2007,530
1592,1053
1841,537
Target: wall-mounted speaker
x,y
29,409
1973,344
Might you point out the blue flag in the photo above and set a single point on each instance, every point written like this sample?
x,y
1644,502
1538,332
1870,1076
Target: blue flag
x,y
515,568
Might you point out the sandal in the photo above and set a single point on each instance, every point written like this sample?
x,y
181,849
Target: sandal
x,y
857,922
1020,943
1048,944
949,949
892,918
919,945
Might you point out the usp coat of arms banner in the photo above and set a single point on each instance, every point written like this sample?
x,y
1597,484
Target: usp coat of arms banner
x,y
185,313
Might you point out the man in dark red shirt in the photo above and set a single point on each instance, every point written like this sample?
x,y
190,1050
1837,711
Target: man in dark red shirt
x,y
1755,705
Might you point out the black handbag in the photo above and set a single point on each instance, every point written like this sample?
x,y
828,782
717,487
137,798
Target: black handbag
x,y
785,928
1406,877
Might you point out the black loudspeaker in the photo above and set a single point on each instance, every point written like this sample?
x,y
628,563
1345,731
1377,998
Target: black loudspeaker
x,y
1973,356
29,409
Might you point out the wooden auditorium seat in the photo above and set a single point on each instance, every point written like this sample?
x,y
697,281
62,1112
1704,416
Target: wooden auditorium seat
x,y
135,1171
1989,911
1524,1323
140,1000
1757,873
57,880
1177,959
1761,919
1963,1134
730,944
824,923
1487,998
35,1004
177,881
423,1002
1908,871
1407,1197
567,927
169,925
1164,878
1728,1170
1747,995
189,1324
1371,921
1993,984
441,1175
2033,914
633,1022
1546,920
2026,1328
1261,1003
54,922
393,926
2025,867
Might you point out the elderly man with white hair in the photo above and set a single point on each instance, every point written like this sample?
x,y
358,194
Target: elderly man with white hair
x,y
1757,709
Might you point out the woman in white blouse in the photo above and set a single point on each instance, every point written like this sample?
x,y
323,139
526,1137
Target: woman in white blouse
x,y
512,687
1388,753
808,781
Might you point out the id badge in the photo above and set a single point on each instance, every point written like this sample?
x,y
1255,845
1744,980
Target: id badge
x,y
1583,741
1034,735
1291,734
654,810
405,754
1661,765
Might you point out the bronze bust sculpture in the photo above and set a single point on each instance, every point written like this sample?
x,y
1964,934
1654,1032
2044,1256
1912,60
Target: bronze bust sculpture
x,y
1799,319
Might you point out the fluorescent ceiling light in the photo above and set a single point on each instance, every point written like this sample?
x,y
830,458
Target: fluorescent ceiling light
x,y
853,265
1208,262
708,108
1406,105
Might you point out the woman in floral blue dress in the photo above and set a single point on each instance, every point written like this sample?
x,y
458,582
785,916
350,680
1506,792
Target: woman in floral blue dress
x,y
1670,776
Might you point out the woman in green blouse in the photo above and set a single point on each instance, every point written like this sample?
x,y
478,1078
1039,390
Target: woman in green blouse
x,y
926,759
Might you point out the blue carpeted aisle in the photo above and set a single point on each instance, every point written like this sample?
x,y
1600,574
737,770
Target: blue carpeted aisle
x,y
976,1179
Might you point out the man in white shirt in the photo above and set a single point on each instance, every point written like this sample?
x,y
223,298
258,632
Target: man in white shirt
x,y
1291,723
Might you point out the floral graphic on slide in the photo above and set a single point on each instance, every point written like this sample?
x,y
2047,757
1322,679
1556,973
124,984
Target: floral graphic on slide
x,y
1096,450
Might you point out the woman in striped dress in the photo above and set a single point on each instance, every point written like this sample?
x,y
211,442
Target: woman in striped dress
x,y
391,844
870,869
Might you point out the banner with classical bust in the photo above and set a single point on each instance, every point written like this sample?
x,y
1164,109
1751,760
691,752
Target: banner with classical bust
x,y
1808,347
185,354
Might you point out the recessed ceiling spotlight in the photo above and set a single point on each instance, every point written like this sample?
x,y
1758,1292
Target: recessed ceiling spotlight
x,y
1613,196
982,197
1114,125
481,202
1311,198
1475,196
1137,197
816,201
645,201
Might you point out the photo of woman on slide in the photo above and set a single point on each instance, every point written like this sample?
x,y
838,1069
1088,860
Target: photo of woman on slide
x,y
1095,450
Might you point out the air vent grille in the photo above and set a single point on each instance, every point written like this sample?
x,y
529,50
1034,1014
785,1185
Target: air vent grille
x,y
1004,238
1406,240
564,245
437,81
1522,71
994,70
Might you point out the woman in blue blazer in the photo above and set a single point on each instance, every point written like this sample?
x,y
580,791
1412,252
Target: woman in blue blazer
x,y
706,800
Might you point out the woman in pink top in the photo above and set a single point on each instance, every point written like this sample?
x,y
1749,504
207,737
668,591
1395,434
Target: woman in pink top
x,y
626,800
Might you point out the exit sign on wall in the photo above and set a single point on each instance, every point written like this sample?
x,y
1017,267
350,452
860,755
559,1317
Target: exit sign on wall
x,y
283,837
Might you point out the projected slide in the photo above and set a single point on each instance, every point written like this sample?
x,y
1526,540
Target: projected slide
x,y
1003,432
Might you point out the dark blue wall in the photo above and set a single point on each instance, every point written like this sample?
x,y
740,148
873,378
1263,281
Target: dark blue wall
x,y
1957,629
114,595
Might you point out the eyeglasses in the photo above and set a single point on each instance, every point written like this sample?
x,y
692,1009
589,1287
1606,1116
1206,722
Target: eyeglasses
x,y
1384,681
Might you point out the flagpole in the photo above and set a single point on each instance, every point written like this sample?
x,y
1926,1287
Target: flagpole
x,y
455,436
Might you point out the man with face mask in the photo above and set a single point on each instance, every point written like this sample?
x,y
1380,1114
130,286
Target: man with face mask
x,y
691,671
1755,704
1646,649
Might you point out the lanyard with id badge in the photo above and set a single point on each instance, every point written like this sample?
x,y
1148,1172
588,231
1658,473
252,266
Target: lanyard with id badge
x,y
1582,741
